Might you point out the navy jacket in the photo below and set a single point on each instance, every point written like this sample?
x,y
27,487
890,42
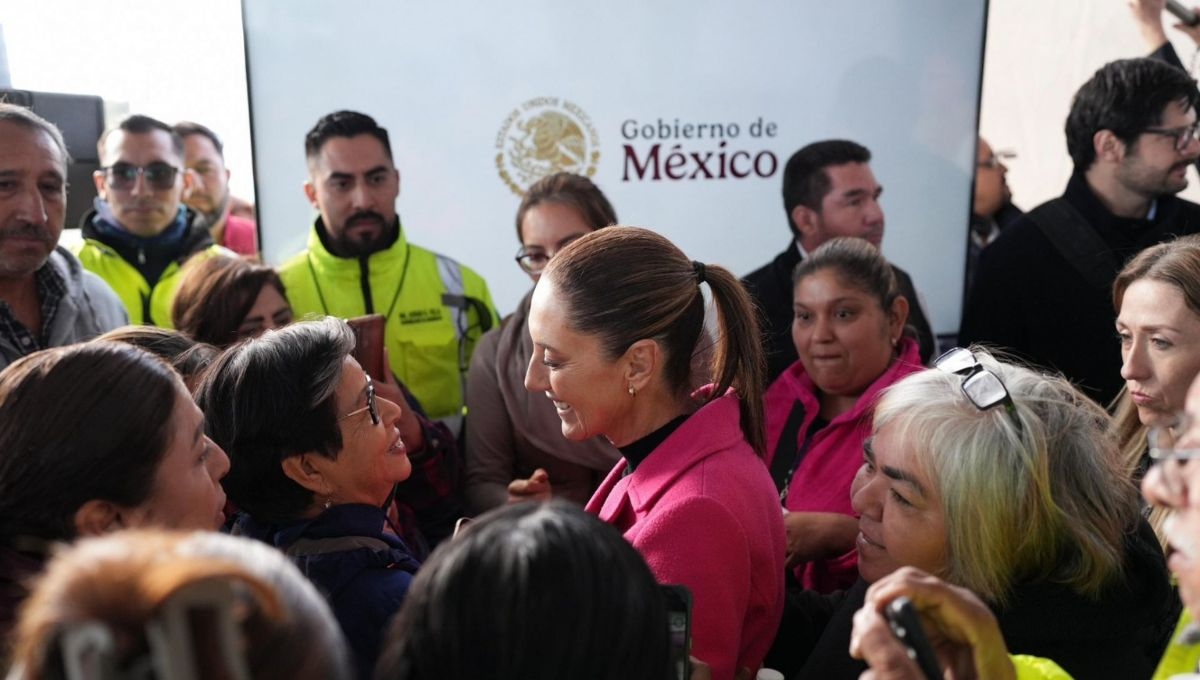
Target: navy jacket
x,y
363,571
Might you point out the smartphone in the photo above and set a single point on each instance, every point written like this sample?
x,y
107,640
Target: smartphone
x,y
906,626
368,344
679,626
1186,16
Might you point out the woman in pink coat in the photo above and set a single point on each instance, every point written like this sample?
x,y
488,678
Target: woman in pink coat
x,y
617,322
849,332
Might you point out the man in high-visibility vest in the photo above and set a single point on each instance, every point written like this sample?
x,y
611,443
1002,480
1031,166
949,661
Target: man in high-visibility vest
x,y
359,261
140,233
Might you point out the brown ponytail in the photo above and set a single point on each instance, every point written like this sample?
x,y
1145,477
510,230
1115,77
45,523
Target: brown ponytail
x,y
625,284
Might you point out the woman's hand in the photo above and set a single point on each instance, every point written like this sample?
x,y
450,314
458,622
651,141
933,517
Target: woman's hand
x,y
818,535
960,627
536,488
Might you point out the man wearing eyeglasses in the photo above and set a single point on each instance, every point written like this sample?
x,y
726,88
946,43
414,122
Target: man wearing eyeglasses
x,y
139,234
1044,288
991,204
47,299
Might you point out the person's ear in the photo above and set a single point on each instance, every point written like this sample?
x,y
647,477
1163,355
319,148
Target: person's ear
x,y
311,192
642,360
189,183
309,471
98,180
97,517
1108,146
808,225
897,317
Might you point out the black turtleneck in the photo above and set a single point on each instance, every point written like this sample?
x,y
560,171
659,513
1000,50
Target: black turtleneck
x,y
641,449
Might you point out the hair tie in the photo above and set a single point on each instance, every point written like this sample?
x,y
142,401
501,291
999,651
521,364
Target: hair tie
x,y
698,267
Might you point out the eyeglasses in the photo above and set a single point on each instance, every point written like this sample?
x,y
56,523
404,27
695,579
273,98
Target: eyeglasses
x,y
997,159
1164,439
370,407
983,388
123,176
534,261
1182,135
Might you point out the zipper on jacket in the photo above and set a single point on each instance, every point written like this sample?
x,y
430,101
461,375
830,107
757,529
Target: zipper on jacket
x,y
364,273
141,255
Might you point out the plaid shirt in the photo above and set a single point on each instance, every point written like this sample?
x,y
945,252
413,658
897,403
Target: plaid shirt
x,y
50,291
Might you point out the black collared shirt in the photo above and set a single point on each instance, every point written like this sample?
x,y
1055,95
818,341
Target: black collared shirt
x,y
50,291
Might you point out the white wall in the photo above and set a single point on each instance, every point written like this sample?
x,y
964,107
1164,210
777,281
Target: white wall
x,y
1038,54
900,76
170,59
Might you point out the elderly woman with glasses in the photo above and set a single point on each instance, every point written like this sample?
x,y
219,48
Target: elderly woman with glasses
x,y
315,456
514,449
1002,481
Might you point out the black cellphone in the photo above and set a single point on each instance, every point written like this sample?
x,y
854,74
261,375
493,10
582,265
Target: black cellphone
x,y
1185,15
902,616
679,627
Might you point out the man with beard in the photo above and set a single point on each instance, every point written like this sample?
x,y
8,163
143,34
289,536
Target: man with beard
x,y
359,261
139,234
204,155
1043,289
47,299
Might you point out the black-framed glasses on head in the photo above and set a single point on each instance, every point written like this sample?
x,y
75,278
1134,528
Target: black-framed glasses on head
x,y
1182,135
370,407
123,176
534,260
982,387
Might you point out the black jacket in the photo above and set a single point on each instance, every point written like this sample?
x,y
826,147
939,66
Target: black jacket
x,y
771,288
1122,635
1029,299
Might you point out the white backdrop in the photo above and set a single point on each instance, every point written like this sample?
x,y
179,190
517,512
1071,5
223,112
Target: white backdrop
x,y
1038,54
455,82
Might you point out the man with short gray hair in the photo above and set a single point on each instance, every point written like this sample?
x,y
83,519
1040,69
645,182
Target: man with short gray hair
x,y
47,299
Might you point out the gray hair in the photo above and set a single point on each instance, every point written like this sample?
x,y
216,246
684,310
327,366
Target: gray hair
x,y
26,118
1047,499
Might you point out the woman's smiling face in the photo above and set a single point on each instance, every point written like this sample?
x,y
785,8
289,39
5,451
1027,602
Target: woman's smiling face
x,y
589,391
900,514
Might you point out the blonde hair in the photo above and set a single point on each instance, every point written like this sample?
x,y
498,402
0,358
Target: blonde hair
x,y
1048,500
1176,263
123,580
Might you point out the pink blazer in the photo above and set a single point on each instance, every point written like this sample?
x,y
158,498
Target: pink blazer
x,y
822,482
702,511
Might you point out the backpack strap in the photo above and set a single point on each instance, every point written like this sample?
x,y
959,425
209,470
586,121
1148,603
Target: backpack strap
x,y
1079,244
306,547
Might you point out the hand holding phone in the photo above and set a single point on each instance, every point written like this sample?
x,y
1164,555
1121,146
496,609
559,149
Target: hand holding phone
x,y
905,623
1187,17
